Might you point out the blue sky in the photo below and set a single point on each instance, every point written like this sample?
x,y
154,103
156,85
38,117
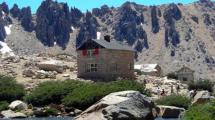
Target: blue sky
x,y
89,4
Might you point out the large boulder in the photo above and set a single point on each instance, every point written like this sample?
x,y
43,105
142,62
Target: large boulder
x,y
12,114
52,65
201,97
168,111
41,74
125,105
18,105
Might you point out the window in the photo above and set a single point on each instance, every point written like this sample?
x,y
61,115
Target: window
x,y
184,79
92,68
130,66
90,53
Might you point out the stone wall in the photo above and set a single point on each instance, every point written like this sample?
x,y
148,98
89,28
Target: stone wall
x,y
111,64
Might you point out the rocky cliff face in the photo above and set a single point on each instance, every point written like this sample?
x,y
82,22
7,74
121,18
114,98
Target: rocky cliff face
x,y
171,35
53,23
5,20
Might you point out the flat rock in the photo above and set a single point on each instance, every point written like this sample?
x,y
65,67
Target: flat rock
x,y
12,114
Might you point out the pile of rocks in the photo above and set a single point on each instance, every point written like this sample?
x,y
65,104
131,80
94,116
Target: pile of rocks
x,y
156,84
19,109
44,69
7,68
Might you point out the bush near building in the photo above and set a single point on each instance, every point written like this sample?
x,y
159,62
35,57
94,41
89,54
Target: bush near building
x,y
174,100
77,94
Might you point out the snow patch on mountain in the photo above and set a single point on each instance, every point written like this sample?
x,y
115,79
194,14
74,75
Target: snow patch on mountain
x,y
5,50
8,29
73,28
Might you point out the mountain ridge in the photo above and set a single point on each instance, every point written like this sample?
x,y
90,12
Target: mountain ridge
x,y
172,35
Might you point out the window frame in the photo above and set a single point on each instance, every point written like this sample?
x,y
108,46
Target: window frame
x,y
91,67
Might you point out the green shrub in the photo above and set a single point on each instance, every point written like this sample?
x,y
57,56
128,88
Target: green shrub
x,y
3,105
85,96
51,111
201,85
9,89
201,112
51,92
77,94
174,100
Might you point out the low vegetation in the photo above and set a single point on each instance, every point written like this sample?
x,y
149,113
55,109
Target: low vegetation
x,y
77,94
51,111
201,112
174,100
201,85
9,89
87,95
51,92
3,105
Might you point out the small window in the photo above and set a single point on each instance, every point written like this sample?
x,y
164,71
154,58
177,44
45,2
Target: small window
x,y
90,53
92,68
184,79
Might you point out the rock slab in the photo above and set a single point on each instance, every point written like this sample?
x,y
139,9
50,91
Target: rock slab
x,y
12,114
201,97
125,105
168,111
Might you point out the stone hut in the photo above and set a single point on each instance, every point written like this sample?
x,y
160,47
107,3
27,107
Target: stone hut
x,y
149,69
185,74
105,59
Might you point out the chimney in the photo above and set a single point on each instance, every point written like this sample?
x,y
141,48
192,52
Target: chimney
x,y
107,38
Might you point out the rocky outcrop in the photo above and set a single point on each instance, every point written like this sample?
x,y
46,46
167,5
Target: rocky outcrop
x,y
88,29
207,19
155,20
169,111
25,18
171,14
75,17
15,11
5,20
102,11
4,7
129,28
201,97
195,19
53,23
125,105
126,27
